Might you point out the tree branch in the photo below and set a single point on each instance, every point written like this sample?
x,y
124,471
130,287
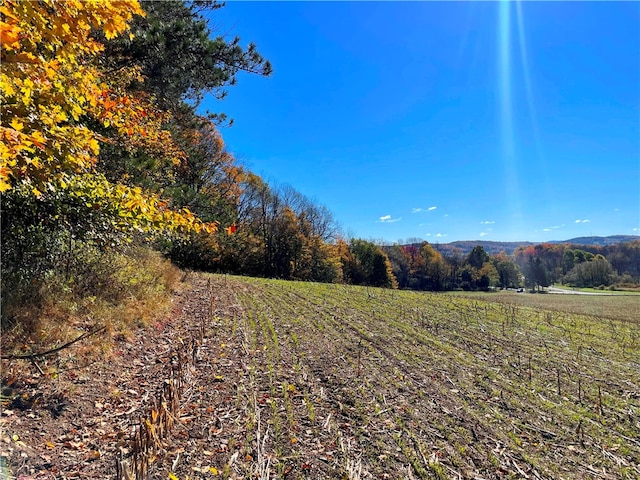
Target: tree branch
x,y
53,350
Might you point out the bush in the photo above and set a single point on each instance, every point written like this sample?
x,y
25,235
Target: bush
x,y
85,287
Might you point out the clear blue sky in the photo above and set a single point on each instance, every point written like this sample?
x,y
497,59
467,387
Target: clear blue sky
x,y
446,120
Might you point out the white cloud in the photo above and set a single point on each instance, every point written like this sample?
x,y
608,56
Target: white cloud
x,y
420,209
388,219
487,222
428,234
583,221
555,227
482,234
635,229
439,235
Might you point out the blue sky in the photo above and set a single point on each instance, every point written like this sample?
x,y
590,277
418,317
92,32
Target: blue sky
x,y
446,121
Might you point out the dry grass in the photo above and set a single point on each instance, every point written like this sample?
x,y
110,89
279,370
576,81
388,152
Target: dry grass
x,y
115,290
615,307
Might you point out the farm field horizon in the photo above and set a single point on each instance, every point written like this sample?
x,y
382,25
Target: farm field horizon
x,y
354,382
290,380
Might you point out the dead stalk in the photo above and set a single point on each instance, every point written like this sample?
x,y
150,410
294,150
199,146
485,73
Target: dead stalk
x,y
263,467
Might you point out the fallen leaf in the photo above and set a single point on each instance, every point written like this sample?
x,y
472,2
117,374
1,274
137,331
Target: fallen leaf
x,y
74,445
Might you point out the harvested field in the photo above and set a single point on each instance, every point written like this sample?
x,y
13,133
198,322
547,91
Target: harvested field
x,y
619,306
299,380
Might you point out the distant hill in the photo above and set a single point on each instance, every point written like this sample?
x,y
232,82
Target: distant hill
x,y
493,248
600,241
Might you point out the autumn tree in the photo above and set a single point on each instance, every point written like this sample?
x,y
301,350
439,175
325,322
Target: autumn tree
x,y
52,94
536,275
58,107
399,264
508,271
179,62
367,264
591,273
477,257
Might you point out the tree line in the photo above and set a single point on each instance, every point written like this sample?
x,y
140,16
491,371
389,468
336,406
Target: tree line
x,y
580,265
104,148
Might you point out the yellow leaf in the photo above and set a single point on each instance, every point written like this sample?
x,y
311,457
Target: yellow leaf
x,y
213,470
36,192
17,124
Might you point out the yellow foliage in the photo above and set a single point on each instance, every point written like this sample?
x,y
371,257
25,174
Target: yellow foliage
x,y
46,78
50,86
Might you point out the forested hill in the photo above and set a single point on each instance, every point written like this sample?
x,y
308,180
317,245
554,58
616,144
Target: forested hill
x,y
600,241
493,248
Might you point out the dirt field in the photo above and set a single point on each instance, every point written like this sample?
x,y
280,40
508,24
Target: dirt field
x,y
310,381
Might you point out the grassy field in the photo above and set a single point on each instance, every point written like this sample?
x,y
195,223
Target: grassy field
x,y
355,383
610,307
618,291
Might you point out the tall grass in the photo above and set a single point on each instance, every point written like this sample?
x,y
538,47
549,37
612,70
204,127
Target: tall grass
x,y
118,289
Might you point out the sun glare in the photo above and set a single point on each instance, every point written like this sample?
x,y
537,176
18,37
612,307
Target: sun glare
x,y
507,136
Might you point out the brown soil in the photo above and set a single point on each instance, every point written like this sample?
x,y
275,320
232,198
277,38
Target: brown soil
x,y
81,423
289,381
73,425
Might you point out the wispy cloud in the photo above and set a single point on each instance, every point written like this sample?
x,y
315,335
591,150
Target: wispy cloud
x,y
482,234
487,222
583,221
420,209
548,229
388,219
440,235
635,229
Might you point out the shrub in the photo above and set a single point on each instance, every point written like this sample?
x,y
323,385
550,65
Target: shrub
x,y
84,287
